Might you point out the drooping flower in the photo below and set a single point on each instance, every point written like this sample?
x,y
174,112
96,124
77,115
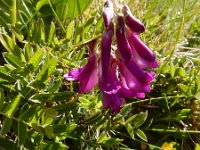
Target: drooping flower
x,y
125,90
88,83
138,72
133,85
122,42
86,75
143,56
113,102
107,13
133,23
131,79
110,88
106,51
120,72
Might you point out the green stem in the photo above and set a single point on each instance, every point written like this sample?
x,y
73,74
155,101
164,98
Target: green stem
x,y
13,16
29,20
138,140
16,119
173,130
159,98
71,86
56,16
79,44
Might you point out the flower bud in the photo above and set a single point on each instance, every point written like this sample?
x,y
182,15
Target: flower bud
x,y
106,51
122,43
108,14
133,23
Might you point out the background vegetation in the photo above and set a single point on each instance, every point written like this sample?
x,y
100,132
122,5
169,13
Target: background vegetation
x,y
40,40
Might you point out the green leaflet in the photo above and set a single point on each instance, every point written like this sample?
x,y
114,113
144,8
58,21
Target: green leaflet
x,y
22,132
76,7
61,96
10,110
12,60
6,125
8,144
7,42
51,33
29,113
2,97
5,75
47,145
141,134
47,70
17,33
35,59
64,128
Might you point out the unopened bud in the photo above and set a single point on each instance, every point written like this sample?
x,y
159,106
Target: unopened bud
x,y
133,23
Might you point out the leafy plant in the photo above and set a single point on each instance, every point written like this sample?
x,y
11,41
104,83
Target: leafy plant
x,y
43,39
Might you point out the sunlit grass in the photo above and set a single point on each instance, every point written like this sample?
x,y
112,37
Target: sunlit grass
x,y
50,114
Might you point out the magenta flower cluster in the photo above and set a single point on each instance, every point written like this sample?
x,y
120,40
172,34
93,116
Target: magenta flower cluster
x,y
122,70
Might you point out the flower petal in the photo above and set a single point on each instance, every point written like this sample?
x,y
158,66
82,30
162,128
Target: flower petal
x,y
138,73
111,84
143,55
122,43
127,92
113,102
108,13
140,95
91,65
132,82
106,52
87,75
88,83
73,75
141,61
133,23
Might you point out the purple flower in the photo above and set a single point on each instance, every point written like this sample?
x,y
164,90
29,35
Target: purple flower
x,y
111,89
135,81
108,13
120,74
110,84
122,43
125,91
113,102
87,75
143,56
133,23
140,74
106,52
131,80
